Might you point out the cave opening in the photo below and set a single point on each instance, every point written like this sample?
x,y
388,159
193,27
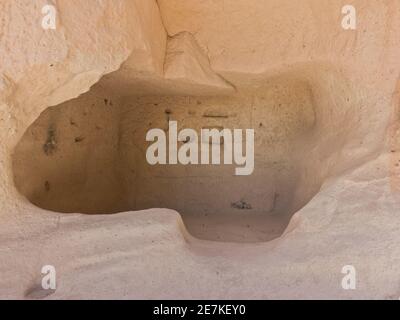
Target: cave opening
x,y
88,155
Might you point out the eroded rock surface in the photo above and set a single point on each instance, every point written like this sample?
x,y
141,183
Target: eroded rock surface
x,y
76,102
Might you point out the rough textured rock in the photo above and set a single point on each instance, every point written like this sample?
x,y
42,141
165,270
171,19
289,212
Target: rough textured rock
x,y
327,99
186,64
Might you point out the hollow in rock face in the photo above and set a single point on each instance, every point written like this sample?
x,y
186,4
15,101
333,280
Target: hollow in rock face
x,y
88,155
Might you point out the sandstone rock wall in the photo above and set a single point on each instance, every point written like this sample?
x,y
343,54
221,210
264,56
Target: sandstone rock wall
x,y
237,56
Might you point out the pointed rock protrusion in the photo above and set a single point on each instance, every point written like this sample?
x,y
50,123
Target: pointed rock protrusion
x,y
188,65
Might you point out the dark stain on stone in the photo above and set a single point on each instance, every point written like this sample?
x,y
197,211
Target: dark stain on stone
x,y
37,292
241,205
47,186
215,115
50,145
